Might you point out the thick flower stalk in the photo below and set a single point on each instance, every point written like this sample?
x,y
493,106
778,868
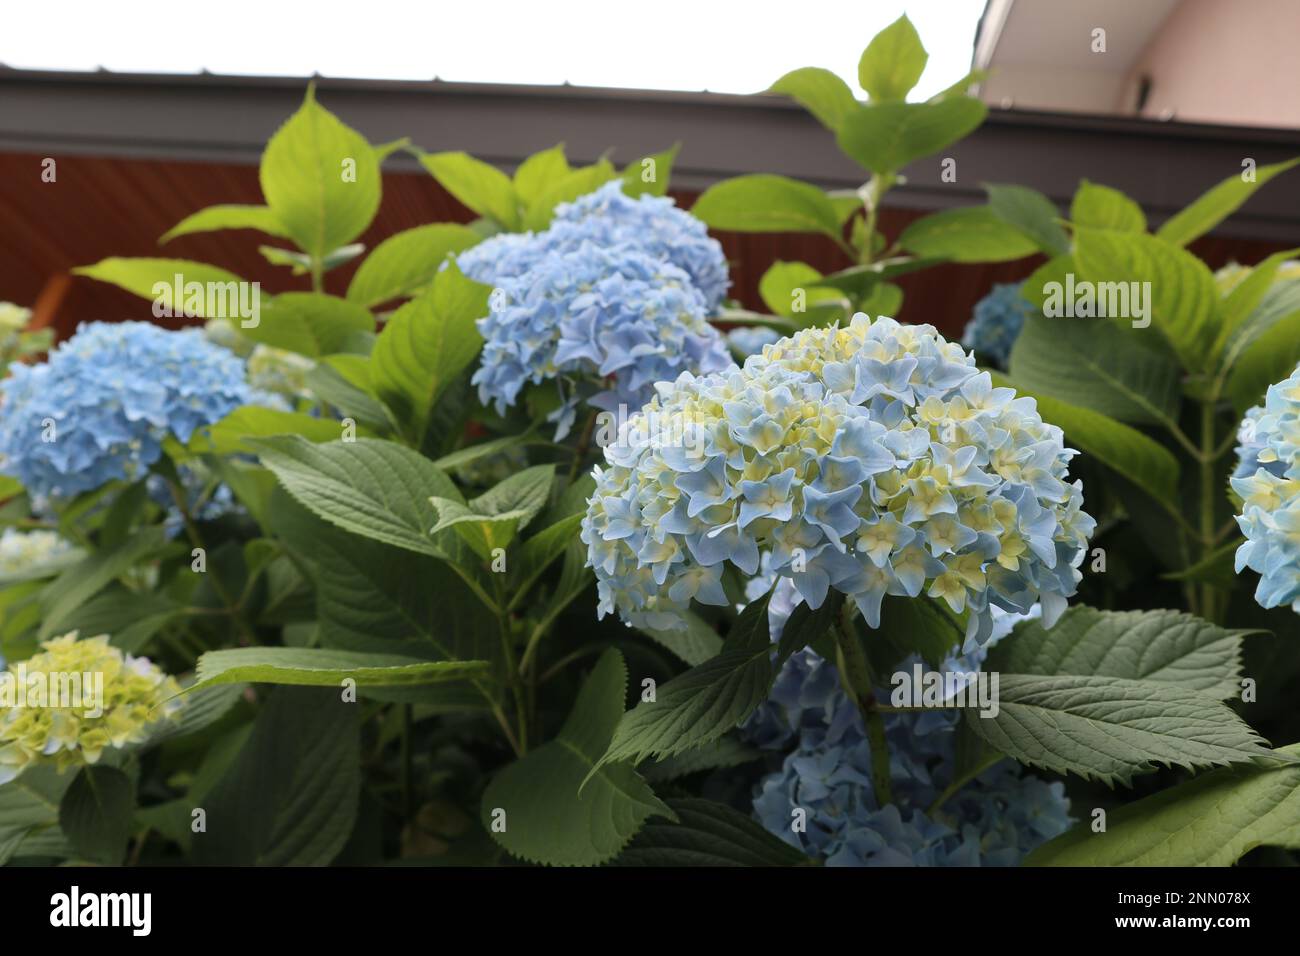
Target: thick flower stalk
x,y
101,407
21,551
996,323
874,459
935,819
1268,480
614,314
122,700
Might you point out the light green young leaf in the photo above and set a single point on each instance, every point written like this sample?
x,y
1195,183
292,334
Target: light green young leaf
x,y
229,436
539,171
577,183
782,280
1183,302
970,234
1032,213
1217,205
261,218
426,344
766,203
321,179
546,819
649,176
821,93
156,279
406,262
1269,359
491,521
1213,820
893,61
323,667
1243,319
1100,207
309,323
1109,728
480,186
1165,646
885,137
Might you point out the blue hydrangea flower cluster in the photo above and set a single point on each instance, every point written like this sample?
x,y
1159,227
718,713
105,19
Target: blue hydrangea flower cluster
x,y
996,323
994,820
616,288
653,224
749,341
874,458
614,313
99,409
1268,480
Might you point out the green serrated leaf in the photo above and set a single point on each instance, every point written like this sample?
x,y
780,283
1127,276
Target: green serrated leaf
x,y
1217,205
885,137
893,61
971,234
765,203
95,814
821,93
534,808
482,187
1100,207
1109,729
1032,213
405,263
213,218
708,834
309,323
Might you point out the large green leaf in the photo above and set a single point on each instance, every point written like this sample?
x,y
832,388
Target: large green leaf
x,y
1217,205
708,834
1212,820
480,186
820,92
426,344
321,179
324,667
577,183
546,818
156,279
1142,460
885,137
766,203
373,488
261,218
310,323
1256,304
539,171
1183,301
1110,728
95,814
406,262
694,644
1100,207
893,61
290,798
1096,364
970,234
1271,358
650,179
1165,646
701,705
1032,213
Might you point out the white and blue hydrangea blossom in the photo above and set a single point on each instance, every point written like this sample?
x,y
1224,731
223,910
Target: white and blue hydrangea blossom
x,y
874,459
1267,479
996,323
101,407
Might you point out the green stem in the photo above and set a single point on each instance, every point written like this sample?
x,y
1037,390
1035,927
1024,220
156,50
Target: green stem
x,y
192,532
1209,594
584,445
855,675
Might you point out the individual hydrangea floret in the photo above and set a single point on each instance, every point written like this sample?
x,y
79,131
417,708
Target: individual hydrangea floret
x,y
993,820
100,408
1267,479
21,551
609,217
748,341
996,323
121,700
613,313
874,459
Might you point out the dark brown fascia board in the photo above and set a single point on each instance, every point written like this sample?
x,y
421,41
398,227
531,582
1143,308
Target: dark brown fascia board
x,y
208,118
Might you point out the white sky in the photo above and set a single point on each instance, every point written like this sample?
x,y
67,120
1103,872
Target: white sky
x,y
732,46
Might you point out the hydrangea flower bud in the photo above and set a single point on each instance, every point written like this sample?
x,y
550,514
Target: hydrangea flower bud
x,y
996,323
135,696
874,459
1267,479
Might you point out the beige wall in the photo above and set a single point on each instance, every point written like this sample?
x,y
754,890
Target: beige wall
x,y
1223,61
